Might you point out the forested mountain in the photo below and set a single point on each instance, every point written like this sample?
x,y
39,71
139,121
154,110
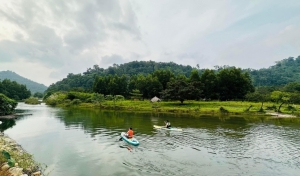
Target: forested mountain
x,y
31,85
84,82
283,72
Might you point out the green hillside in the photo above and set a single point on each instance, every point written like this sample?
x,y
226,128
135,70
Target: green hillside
x,y
31,85
280,74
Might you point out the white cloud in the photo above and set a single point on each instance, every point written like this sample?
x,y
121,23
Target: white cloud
x,y
64,37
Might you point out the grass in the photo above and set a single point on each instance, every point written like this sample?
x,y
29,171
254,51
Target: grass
x,y
195,107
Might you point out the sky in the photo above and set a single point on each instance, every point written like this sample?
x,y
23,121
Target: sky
x,y
47,39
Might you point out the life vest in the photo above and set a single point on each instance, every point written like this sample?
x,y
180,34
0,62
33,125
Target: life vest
x,y
130,134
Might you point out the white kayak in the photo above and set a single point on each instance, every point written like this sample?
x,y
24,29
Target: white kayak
x,y
132,141
164,128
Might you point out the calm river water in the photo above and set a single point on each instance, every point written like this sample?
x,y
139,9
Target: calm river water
x,y
75,142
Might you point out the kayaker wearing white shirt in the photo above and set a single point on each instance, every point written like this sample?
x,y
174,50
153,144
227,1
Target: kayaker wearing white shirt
x,y
168,124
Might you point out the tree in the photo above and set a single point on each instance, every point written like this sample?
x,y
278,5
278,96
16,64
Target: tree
x,y
14,90
233,84
163,76
280,97
292,87
38,95
136,94
180,89
262,95
7,105
210,81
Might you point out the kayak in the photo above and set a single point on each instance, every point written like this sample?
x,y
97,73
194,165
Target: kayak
x,y
132,141
164,128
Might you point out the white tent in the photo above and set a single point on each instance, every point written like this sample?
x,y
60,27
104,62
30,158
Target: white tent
x,y
155,99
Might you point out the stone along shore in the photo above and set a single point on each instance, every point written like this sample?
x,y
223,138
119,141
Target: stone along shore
x,y
24,164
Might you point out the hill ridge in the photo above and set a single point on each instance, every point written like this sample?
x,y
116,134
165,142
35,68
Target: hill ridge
x,y
31,85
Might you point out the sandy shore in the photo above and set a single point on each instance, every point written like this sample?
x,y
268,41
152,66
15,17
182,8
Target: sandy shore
x,y
280,115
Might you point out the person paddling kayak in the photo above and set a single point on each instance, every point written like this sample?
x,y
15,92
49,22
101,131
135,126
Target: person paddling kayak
x,y
168,124
129,133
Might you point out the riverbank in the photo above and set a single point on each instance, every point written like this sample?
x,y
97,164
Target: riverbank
x,y
196,108
13,116
24,164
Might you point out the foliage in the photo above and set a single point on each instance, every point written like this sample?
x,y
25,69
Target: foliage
x,y
282,97
136,94
85,81
113,85
7,105
56,98
180,89
14,90
32,100
282,73
210,81
38,95
233,84
79,95
98,98
10,161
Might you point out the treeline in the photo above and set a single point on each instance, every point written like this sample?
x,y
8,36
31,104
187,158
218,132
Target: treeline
x,y
84,82
282,73
288,94
14,90
228,84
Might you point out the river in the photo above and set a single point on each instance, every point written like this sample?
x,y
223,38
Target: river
x,y
79,142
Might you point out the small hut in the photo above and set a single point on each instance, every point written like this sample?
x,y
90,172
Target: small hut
x,y
155,99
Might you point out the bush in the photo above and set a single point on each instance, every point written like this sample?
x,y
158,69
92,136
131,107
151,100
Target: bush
x,y
84,97
75,102
7,105
56,98
32,100
223,110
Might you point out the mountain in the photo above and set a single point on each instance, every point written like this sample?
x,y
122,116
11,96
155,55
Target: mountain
x,y
31,85
282,73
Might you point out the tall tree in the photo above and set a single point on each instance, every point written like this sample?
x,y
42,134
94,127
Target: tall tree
x,y
163,76
233,84
211,84
180,89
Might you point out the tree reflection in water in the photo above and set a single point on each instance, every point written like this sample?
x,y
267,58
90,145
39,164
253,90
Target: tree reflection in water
x,y
7,123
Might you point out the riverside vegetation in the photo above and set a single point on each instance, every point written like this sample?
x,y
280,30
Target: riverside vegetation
x,y
195,108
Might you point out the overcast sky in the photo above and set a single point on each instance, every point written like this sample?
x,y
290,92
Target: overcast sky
x,y
45,40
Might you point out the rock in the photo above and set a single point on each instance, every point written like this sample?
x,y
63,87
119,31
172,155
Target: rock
x,y
38,173
4,167
15,171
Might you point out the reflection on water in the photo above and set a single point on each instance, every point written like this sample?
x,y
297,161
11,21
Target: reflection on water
x,y
6,123
86,142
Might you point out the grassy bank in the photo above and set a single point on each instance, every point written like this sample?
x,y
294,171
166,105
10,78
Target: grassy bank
x,y
194,107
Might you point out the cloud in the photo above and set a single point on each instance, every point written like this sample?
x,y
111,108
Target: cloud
x,y
70,36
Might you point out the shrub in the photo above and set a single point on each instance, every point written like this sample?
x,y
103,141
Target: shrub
x,y
32,100
223,110
7,105
56,98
